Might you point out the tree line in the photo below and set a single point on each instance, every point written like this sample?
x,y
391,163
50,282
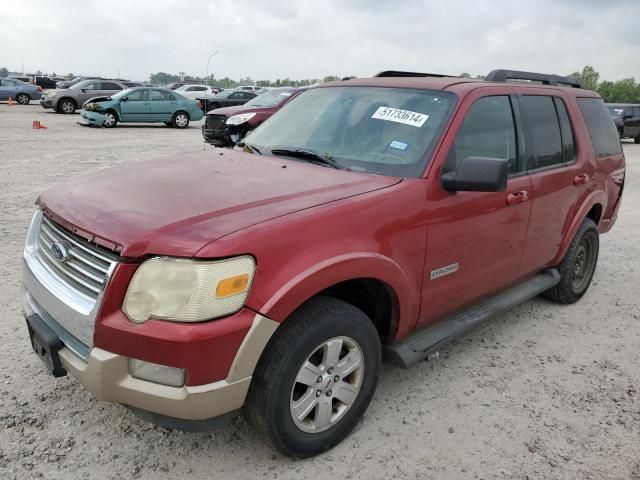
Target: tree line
x,y
163,78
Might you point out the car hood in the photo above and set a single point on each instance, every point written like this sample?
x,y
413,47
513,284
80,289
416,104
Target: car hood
x,y
178,205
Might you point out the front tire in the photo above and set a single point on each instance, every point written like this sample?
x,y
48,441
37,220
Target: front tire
x,y
23,99
180,120
110,119
315,379
67,105
578,266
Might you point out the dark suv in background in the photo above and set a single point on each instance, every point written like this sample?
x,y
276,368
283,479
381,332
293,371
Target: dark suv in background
x,y
626,116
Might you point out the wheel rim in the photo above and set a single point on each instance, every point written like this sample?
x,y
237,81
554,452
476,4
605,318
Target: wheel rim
x,y
23,99
182,120
327,384
109,119
67,107
584,264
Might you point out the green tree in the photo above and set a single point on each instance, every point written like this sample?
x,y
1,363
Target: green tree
x,y
4,72
588,77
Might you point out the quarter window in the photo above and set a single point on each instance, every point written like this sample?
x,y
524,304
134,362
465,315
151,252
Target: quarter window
x,y
488,130
544,128
602,130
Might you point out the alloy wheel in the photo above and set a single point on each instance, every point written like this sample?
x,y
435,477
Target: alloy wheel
x,y
327,384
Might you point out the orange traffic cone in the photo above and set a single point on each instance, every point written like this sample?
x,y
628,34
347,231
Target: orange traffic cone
x,y
11,102
38,126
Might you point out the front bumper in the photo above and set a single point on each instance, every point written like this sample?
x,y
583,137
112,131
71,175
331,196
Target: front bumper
x,y
94,119
106,375
47,103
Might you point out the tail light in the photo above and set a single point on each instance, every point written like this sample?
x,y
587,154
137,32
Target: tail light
x,y
40,89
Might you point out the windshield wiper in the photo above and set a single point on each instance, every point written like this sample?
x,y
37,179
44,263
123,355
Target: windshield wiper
x,y
324,159
250,147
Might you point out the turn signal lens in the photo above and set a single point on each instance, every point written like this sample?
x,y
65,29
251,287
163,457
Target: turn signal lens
x,y
232,286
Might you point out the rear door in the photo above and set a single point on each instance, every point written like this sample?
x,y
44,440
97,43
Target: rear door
x,y
560,175
475,240
136,107
163,104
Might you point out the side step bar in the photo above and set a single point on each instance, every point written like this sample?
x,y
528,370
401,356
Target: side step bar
x,y
433,337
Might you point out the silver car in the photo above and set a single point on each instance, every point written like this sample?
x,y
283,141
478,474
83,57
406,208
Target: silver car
x,y
72,98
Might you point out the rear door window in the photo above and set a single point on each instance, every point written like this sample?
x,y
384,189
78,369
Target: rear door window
x,y
602,130
568,145
488,130
110,86
544,131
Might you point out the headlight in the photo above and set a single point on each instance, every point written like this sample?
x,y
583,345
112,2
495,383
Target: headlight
x,y
52,94
238,119
187,290
93,107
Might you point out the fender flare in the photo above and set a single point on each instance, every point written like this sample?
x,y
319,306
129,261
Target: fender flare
x,y
597,197
322,275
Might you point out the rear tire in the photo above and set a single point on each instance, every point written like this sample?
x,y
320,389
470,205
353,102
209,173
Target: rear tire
x,y
315,378
67,105
637,139
180,120
578,266
23,99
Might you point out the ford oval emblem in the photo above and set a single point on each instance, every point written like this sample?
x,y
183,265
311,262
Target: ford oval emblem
x,y
60,251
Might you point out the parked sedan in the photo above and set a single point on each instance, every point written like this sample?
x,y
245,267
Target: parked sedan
x,y
224,127
69,99
226,98
142,104
18,90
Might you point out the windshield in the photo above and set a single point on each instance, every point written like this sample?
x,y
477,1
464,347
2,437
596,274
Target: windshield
x,y
121,93
269,98
387,131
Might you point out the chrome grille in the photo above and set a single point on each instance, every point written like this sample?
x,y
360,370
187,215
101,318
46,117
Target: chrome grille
x,y
86,268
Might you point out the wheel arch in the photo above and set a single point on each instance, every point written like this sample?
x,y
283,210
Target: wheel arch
x,y
592,207
356,279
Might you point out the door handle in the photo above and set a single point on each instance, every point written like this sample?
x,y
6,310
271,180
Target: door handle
x,y
580,179
517,197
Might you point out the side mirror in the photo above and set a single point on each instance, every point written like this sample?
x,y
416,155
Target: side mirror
x,y
124,99
478,174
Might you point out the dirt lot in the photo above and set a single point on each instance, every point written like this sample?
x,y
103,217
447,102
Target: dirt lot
x,y
542,392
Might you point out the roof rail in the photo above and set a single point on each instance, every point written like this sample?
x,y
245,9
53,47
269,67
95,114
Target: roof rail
x,y
398,73
504,75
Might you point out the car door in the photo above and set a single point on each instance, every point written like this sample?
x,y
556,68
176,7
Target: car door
x,y
635,122
475,240
90,90
135,106
560,175
163,104
8,88
237,98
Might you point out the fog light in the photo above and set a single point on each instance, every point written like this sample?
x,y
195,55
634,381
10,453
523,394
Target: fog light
x,y
153,372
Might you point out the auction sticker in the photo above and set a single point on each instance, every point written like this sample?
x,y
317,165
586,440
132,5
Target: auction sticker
x,y
407,117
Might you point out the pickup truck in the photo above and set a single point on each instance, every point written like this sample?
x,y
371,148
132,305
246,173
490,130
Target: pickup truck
x,y
368,220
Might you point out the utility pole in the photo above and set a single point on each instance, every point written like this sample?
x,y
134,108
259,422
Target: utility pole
x,y
208,60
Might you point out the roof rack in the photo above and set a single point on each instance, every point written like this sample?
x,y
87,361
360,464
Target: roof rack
x,y
398,73
504,75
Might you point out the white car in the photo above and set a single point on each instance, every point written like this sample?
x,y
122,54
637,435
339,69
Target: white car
x,y
193,91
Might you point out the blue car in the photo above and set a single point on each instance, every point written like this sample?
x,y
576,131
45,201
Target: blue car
x,y
19,91
142,104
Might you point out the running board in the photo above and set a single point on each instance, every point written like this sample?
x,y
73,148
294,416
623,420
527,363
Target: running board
x,y
433,337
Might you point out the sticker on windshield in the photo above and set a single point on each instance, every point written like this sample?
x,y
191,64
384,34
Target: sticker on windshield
x,y
407,117
398,145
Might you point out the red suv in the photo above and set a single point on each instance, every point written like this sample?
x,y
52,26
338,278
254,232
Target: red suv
x,y
368,220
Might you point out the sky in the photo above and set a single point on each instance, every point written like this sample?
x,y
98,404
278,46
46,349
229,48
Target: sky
x,y
270,39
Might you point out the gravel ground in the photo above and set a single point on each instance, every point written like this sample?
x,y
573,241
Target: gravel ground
x,y
544,391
